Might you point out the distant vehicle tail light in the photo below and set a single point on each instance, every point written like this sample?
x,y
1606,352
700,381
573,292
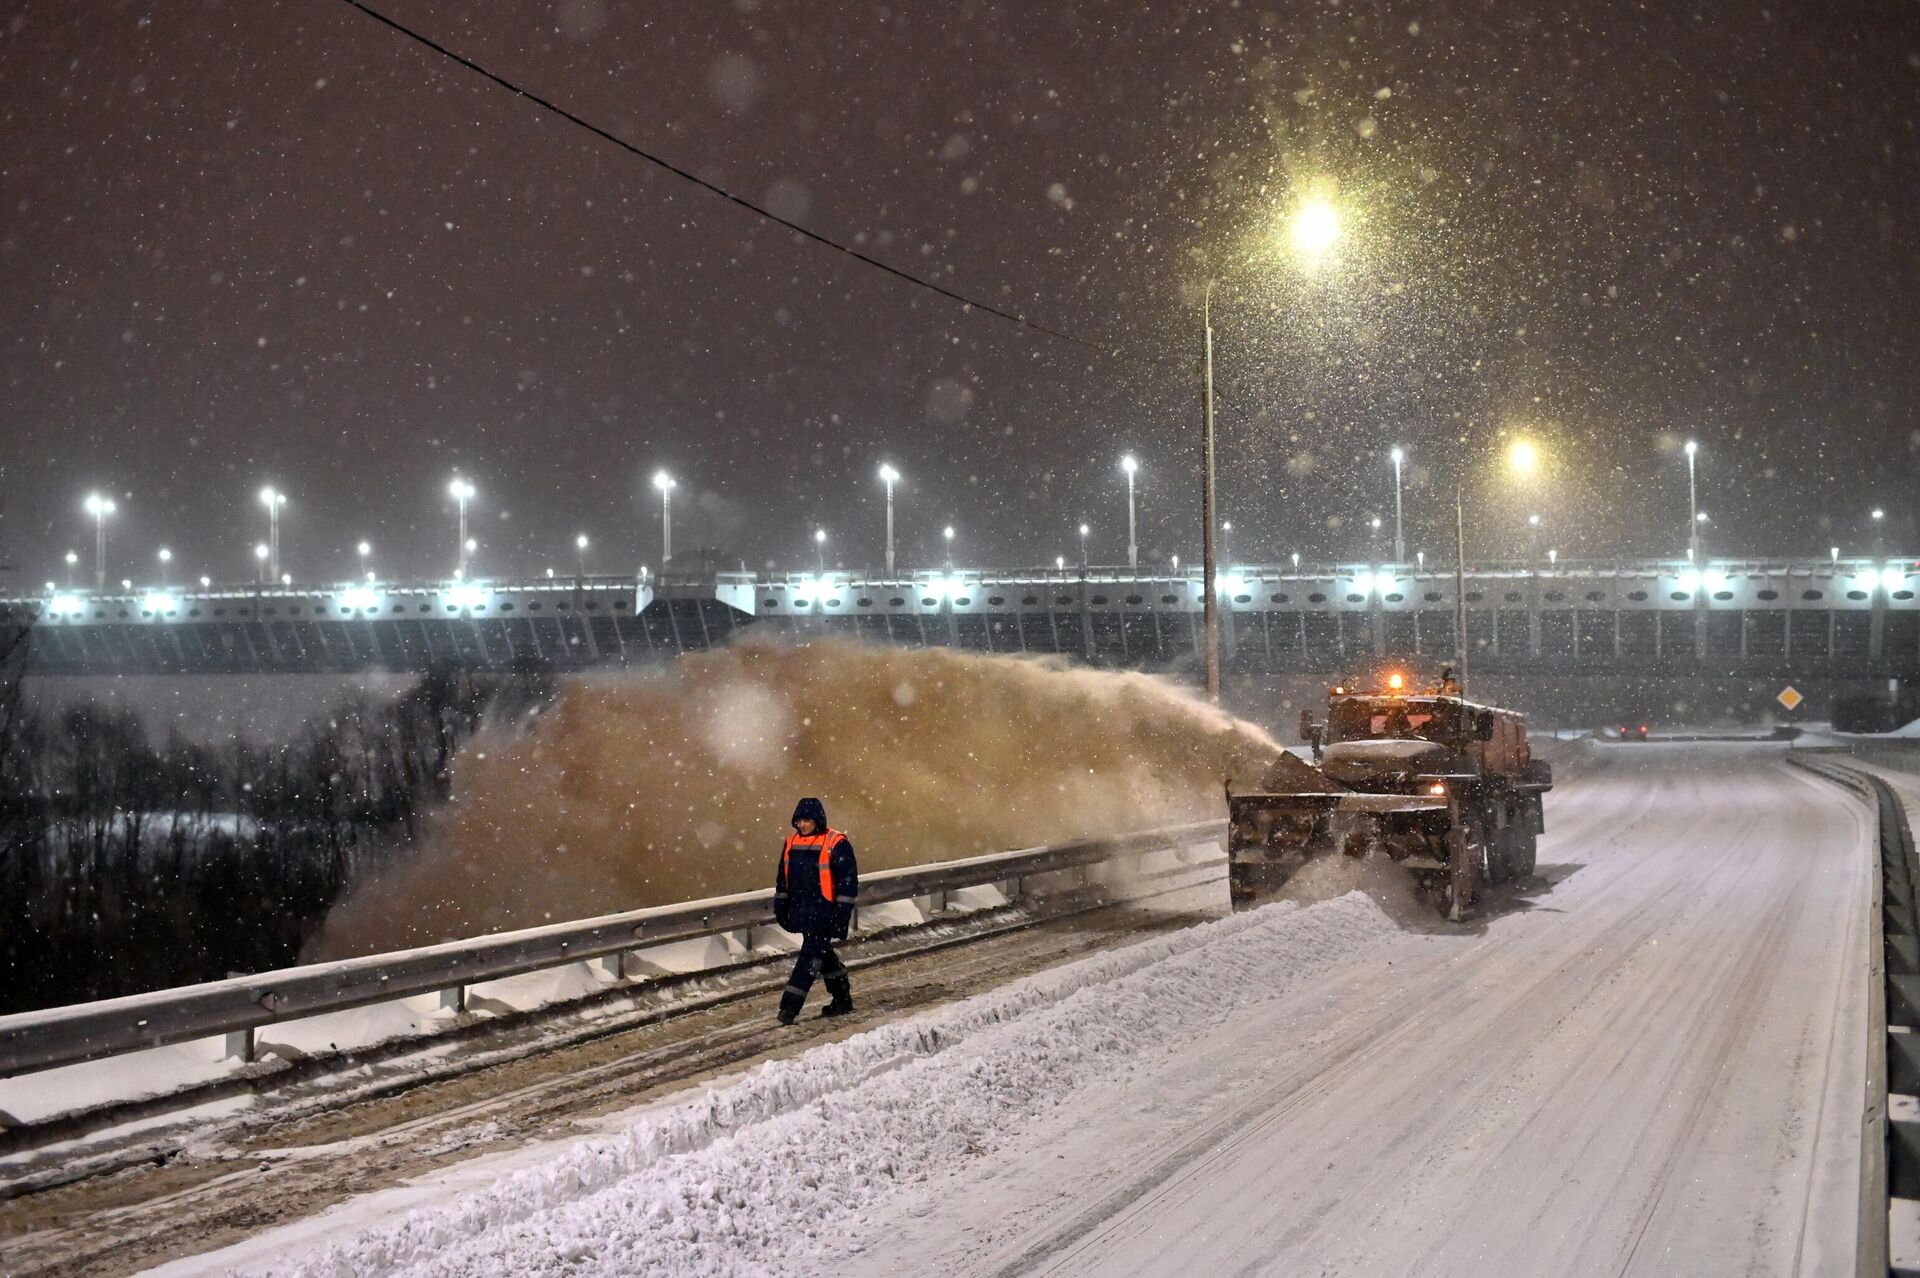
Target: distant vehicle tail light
x,y
1438,788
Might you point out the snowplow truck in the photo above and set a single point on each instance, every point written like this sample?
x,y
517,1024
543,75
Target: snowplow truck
x,y
1446,788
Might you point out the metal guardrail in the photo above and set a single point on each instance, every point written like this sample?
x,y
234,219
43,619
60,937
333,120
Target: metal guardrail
x,y
238,1006
1889,1146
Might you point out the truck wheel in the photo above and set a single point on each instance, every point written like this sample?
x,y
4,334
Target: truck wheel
x,y
1500,842
1526,846
1463,882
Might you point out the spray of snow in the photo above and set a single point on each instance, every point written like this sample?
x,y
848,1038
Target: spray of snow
x,y
769,1173
677,785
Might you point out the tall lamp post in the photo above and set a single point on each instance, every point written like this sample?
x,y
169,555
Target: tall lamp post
x,y
665,483
1132,468
462,492
1399,456
1693,506
166,558
1083,546
100,507
889,476
1879,537
1522,459
273,501
820,548
364,550
260,553
947,534
580,544
72,559
1313,228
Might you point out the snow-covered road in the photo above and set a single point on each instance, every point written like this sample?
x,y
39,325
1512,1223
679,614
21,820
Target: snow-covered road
x,y
1655,1069
1649,1061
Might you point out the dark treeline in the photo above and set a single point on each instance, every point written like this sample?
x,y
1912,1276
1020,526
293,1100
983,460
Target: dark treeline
x,y
129,864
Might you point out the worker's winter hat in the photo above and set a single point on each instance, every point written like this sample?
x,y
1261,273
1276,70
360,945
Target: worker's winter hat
x,y
810,808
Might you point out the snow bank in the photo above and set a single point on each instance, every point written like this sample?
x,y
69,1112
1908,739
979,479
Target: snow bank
x,y
782,1162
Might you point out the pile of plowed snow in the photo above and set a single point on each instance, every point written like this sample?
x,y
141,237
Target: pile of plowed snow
x,y
767,1173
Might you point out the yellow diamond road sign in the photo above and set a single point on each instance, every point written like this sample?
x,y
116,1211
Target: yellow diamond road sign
x,y
1790,697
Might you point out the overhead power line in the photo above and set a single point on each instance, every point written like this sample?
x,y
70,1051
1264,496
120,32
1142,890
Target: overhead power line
x,y
722,192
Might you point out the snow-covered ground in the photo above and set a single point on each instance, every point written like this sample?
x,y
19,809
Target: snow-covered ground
x,y
1649,1061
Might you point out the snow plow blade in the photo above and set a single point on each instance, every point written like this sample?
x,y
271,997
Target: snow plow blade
x,y
1271,836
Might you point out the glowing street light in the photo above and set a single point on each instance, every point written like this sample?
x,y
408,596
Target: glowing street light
x,y
665,483
365,549
1084,530
1132,467
1533,538
462,492
260,553
1373,541
1879,537
273,501
889,476
165,557
73,558
99,507
820,548
1060,563
580,548
1313,229
1523,460
1399,456
947,534
1226,541
206,582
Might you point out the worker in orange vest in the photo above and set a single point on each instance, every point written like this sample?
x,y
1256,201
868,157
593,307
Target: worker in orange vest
x,y
814,896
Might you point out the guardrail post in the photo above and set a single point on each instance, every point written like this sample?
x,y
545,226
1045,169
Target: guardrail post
x,y
239,1044
611,966
453,998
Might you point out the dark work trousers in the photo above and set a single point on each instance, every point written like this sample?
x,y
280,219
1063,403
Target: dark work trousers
x,y
817,959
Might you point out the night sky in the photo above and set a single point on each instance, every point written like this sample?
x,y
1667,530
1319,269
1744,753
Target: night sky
x,y
276,242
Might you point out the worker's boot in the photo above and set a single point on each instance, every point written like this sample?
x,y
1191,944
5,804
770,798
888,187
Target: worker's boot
x,y
842,991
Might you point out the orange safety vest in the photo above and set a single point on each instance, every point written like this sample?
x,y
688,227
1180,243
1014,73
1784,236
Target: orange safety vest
x,y
825,842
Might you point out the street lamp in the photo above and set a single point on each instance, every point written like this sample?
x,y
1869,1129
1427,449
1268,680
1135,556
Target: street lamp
x,y
665,483
1533,539
1523,459
1060,563
1693,506
1879,539
820,548
1226,541
260,553
166,557
1399,456
365,549
273,501
1084,530
1313,229
462,492
470,545
72,559
947,534
1373,541
1132,468
580,549
99,507
889,476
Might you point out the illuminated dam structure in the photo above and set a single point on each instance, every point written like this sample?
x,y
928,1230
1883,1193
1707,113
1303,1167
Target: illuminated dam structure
x,y
1831,618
